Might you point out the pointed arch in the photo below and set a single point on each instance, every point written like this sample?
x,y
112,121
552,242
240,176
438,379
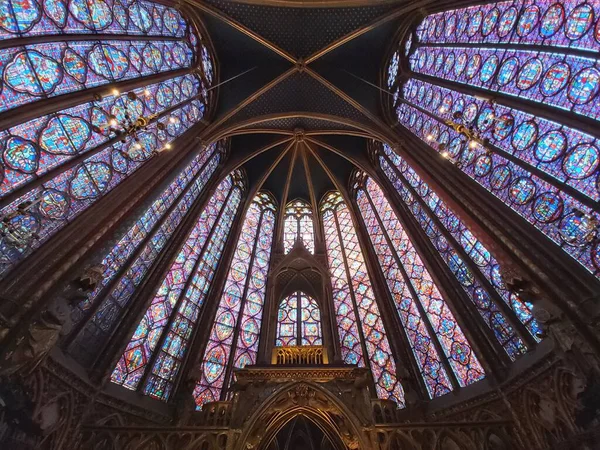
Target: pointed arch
x,y
508,93
299,321
361,331
298,225
234,337
337,422
159,343
62,151
473,266
443,353
131,258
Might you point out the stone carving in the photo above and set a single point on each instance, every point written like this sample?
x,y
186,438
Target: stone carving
x,y
32,347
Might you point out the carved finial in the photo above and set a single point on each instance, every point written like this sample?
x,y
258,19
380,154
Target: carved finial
x,y
299,134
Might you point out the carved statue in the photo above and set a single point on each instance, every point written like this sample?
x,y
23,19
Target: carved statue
x,y
44,332
185,399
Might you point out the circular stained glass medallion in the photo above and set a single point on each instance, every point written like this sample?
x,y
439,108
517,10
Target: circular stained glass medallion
x,y
473,66
439,27
547,207
461,63
576,230
579,21
439,62
119,162
450,26
522,191
550,146
489,22
455,147
528,20
489,69
214,363
507,71
449,64
552,20
525,135
474,24
555,79
582,161
53,204
500,177
224,326
503,126
507,21
483,165
21,154
470,112
530,74
584,86
485,119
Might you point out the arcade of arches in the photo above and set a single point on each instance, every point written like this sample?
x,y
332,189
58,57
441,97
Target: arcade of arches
x,y
299,224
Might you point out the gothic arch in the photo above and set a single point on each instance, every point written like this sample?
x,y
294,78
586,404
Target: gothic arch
x,y
334,418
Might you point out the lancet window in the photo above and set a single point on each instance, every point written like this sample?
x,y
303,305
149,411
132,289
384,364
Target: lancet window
x,y
361,331
472,264
441,350
234,337
55,166
524,78
154,355
128,262
298,321
298,226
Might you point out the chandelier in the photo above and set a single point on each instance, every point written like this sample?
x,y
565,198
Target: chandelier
x,y
17,232
579,229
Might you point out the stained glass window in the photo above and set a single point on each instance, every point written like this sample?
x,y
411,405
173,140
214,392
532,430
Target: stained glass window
x,y
160,341
131,258
467,258
298,226
298,321
362,335
55,166
430,325
234,337
511,54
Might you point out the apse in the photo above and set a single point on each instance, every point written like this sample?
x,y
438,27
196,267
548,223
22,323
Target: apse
x,y
281,224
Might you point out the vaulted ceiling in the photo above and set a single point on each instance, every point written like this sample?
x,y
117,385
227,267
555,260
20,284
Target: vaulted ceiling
x,y
306,76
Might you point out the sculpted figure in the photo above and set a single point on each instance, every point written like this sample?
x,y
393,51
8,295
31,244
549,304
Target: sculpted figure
x,y
52,323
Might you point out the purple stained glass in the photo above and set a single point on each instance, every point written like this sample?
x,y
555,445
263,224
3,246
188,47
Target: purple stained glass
x,y
133,363
23,18
410,187
243,293
42,70
138,249
83,185
534,75
515,185
352,291
381,220
568,23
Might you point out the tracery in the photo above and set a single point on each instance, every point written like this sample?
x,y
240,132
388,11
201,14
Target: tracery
x,y
471,263
299,321
234,337
160,341
57,165
361,331
298,225
524,78
131,258
438,343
